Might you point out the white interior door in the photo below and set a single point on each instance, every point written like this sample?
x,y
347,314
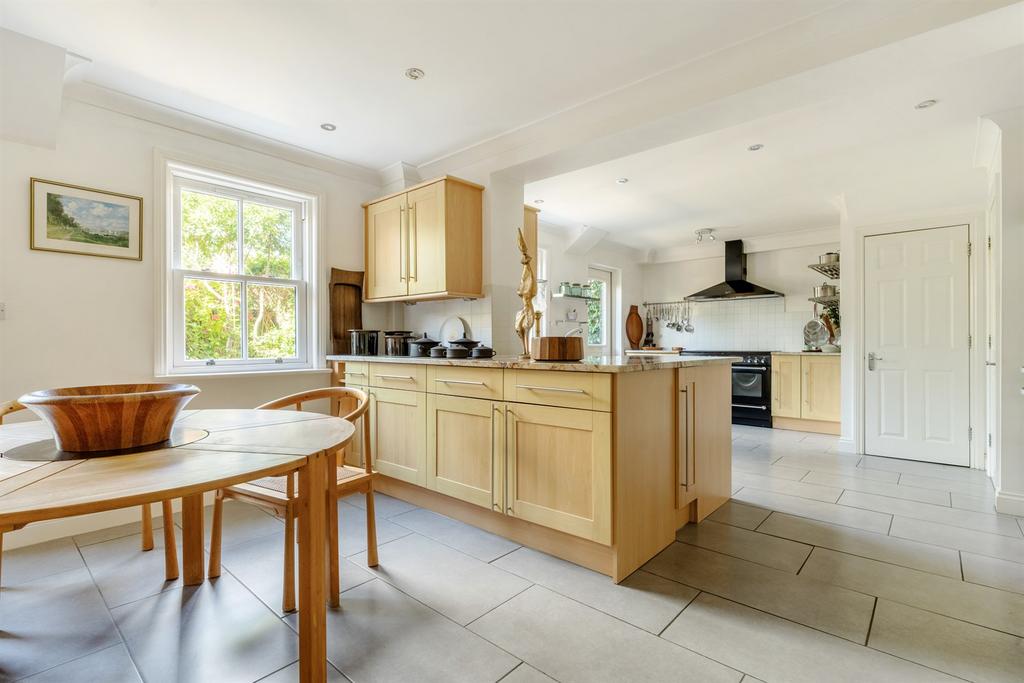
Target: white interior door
x,y
917,373
600,322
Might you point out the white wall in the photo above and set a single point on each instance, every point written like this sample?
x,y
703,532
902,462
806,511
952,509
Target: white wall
x,y
75,320
755,325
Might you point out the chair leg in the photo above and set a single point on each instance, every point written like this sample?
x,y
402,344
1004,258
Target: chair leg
x,y
1,560
170,545
288,604
215,532
147,527
334,570
371,527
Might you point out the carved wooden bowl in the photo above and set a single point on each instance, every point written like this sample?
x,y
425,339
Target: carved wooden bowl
x,y
110,417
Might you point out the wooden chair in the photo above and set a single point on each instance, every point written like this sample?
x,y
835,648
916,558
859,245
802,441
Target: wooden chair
x,y
170,545
278,493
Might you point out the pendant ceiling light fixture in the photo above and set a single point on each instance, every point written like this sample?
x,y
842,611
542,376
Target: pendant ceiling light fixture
x,y
704,232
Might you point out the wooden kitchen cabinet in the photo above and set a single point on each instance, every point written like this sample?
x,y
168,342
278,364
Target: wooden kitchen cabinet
x,y
425,242
806,392
466,449
558,469
820,388
786,383
398,432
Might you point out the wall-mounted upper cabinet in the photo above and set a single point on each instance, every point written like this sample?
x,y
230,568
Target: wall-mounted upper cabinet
x,y
425,242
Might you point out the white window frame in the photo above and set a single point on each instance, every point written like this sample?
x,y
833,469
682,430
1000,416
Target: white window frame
x,y
170,353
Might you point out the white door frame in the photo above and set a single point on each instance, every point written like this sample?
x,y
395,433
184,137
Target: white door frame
x,y
611,307
976,307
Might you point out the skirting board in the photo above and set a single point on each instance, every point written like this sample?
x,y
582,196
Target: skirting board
x,y
1010,503
816,426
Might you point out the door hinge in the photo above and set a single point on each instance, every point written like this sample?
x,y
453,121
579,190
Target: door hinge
x,y
990,441
989,240
970,433
969,248
970,341
990,341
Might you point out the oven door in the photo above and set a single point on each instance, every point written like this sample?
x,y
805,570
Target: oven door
x,y
751,395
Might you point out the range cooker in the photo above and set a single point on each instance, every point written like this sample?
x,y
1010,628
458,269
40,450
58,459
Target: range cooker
x,y
751,386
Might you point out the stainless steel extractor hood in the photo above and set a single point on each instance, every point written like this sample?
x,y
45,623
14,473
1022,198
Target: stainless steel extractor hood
x,y
735,285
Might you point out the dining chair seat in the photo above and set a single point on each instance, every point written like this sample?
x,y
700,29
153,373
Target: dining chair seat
x,y
278,494
170,544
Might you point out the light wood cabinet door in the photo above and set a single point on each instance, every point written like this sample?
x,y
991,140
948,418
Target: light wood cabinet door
x,y
820,388
386,249
558,464
786,381
398,432
465,449
426,235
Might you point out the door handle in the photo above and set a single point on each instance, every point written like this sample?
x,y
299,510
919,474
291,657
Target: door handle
x,y
534,387
413,258
871,360
403,242
459,381
407,377
990,363
740,405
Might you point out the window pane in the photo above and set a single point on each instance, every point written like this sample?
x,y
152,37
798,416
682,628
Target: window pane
x,y
271,320
596,313
267,240
213,321
209,232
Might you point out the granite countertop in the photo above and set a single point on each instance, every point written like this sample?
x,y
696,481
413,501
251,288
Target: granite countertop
x,y
610,364
807,353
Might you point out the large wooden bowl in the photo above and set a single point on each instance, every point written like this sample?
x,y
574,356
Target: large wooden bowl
x,y
111,417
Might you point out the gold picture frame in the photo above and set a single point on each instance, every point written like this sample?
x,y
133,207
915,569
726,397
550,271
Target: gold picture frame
x,y
74,219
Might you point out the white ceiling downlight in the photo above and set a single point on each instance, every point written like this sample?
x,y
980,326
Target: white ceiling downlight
x,y
622,181
926,104
328,126
538,201
755,147
414,74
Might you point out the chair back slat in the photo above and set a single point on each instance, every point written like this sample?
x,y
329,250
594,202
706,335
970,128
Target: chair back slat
x,y
8,407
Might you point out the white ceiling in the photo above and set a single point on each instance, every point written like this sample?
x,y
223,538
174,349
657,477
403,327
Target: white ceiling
x,y
871,148
280,68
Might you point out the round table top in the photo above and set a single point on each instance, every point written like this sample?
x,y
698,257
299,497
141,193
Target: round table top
x,y
242,445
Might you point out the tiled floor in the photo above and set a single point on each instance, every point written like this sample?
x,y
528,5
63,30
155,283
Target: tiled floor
x,y
824,566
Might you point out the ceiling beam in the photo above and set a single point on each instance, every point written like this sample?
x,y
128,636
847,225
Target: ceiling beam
x,y
586,239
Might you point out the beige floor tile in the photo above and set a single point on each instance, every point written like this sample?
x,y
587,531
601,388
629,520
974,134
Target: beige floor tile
x,y
992,545
882,488
384,506
737,514
990,571
832,464
463,537
217,631
382,634
123,573
290,674
774,471
758,457
994,524
954,598
974,487
644,600
51,621
975,503
828,494
925,469
458,586
112,665
524,673
923,556
352,530
572,642
775,649
816,509
801,599
33,562
962,649
749,545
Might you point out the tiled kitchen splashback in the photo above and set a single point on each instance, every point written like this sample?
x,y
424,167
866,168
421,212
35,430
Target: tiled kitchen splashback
x,y
753,325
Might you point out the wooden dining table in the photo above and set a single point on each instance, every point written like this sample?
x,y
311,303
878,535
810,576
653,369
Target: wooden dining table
x,y
230,447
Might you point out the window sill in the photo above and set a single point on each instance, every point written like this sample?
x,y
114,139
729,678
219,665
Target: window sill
x,y
247,373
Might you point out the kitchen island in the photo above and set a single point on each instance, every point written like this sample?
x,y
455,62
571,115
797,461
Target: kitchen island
x,y
598,461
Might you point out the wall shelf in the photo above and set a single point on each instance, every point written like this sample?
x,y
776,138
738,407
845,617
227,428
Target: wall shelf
x,y
825,300
558,295
829,270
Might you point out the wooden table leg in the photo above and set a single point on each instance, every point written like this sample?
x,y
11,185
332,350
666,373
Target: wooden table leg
x,y
170,545
312,504
192,539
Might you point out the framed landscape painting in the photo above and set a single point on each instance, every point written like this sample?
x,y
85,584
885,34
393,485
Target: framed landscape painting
x,y
81,220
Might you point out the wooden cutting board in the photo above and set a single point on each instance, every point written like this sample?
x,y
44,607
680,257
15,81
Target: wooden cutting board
x,y
346,307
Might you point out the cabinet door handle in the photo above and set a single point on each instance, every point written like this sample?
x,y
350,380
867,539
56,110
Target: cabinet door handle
x,y
402,243
459,381
408,377
413,259
361,374
533,387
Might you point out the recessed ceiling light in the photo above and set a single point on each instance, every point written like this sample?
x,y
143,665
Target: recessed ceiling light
x,y
538,201
755,148
328,126
622,181
926,104
414,73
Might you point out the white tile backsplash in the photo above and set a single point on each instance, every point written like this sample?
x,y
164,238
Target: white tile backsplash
x,y
754,325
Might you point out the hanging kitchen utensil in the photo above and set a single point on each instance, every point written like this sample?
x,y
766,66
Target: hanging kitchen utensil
x,y
688,327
